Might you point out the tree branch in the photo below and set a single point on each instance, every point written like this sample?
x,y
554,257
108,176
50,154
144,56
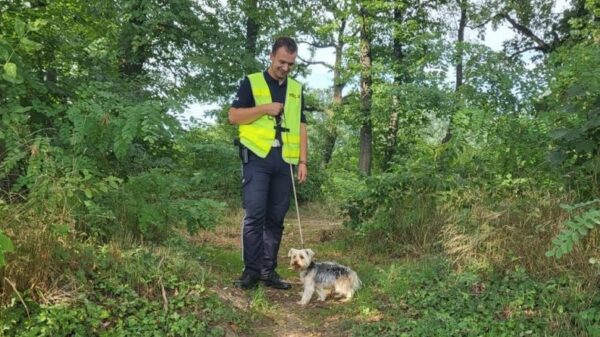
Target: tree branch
x,y
327,65
518,52
317,45
481,25
543,46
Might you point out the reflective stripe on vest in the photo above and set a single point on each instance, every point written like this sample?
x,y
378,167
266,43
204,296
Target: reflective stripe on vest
x,y
258,136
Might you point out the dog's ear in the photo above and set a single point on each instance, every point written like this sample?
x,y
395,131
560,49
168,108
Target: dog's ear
x,y
310,252
291,252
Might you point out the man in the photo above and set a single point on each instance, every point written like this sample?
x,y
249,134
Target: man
x,y
273,136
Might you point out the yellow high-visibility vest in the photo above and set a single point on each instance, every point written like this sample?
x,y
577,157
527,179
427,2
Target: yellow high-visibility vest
x,y
258,136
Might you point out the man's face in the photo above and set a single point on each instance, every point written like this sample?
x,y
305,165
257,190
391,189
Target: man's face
x,y
282,63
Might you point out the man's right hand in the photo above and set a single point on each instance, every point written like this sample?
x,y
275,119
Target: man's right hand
x,y
273,109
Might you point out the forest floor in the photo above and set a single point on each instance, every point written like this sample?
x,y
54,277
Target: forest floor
x,y
406,291
281,315
186,288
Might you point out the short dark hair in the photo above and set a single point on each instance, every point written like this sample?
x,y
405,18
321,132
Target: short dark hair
x,y
285,41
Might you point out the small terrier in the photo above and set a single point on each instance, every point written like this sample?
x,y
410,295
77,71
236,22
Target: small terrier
x,y
324,277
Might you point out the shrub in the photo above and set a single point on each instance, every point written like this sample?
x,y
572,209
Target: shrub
x,y
155,203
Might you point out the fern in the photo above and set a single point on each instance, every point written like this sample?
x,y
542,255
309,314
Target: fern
x,y
575,229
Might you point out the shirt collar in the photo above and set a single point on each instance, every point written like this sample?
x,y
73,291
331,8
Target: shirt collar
x,y
271,79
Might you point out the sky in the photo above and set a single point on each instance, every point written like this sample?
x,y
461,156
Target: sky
x,y
322,78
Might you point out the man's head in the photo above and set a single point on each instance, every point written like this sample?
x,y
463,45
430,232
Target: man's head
x,y
283,57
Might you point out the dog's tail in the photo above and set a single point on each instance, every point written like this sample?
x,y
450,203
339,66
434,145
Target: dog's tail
x,y
356,283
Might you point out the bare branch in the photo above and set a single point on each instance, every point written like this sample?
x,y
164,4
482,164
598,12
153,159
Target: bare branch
x,y
519,52
482,24
317,45
543,46
327,65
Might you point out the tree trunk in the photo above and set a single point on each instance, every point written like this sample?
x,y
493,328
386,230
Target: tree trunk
x,y
133,57
366,131
252,26
540,43
338,87
392,133
461,39
459,59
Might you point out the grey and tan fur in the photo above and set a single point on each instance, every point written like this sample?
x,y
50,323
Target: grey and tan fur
x,y
323,277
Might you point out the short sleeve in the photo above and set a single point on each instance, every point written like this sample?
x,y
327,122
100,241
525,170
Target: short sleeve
x,y
244,98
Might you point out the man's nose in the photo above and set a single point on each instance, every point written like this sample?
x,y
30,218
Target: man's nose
x,y
285,67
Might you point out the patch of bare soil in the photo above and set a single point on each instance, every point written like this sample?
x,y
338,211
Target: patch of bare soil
x,y
286,318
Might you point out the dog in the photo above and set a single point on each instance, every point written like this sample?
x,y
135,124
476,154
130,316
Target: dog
x,y
323,277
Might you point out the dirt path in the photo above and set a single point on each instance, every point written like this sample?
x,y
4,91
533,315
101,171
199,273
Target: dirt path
x,y
285,318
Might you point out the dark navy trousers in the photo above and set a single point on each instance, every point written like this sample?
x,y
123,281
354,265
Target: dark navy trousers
x,y
266,187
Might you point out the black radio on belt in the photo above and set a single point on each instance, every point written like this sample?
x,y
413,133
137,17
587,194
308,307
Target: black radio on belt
x,y
242,150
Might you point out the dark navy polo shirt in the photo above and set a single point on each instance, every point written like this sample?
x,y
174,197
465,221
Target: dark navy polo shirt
x,y
244,98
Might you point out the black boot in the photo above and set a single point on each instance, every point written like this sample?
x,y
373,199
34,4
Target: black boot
x,y
274,281
249,280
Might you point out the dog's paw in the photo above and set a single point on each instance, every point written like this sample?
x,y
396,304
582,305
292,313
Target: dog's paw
x,y
302,302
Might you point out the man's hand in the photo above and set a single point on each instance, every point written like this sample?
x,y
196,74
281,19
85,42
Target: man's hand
x,y
248,115
302,172
273,109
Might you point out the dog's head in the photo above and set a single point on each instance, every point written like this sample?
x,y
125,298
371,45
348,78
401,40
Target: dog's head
x,y
300,258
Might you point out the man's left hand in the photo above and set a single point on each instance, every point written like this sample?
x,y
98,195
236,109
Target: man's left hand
x,y
302,172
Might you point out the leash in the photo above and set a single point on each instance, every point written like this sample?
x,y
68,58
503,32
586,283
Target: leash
x,y
283,120
297,209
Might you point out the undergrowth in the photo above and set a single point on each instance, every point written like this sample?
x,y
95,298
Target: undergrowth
x,y
427,298
137,291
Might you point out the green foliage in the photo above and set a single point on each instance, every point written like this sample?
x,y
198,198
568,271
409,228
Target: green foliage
x,y
428,299
107,122
11,45
88,144
311,189
575,87
6,246
419,185
497,83
132,292
80,133
155,203
576,228
209,158
401,206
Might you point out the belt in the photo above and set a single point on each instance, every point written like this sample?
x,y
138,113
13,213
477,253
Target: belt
x,y
276,143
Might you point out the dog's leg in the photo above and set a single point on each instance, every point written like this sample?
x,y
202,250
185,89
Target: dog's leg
x,y
309,289
322,293
343,290
348,296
